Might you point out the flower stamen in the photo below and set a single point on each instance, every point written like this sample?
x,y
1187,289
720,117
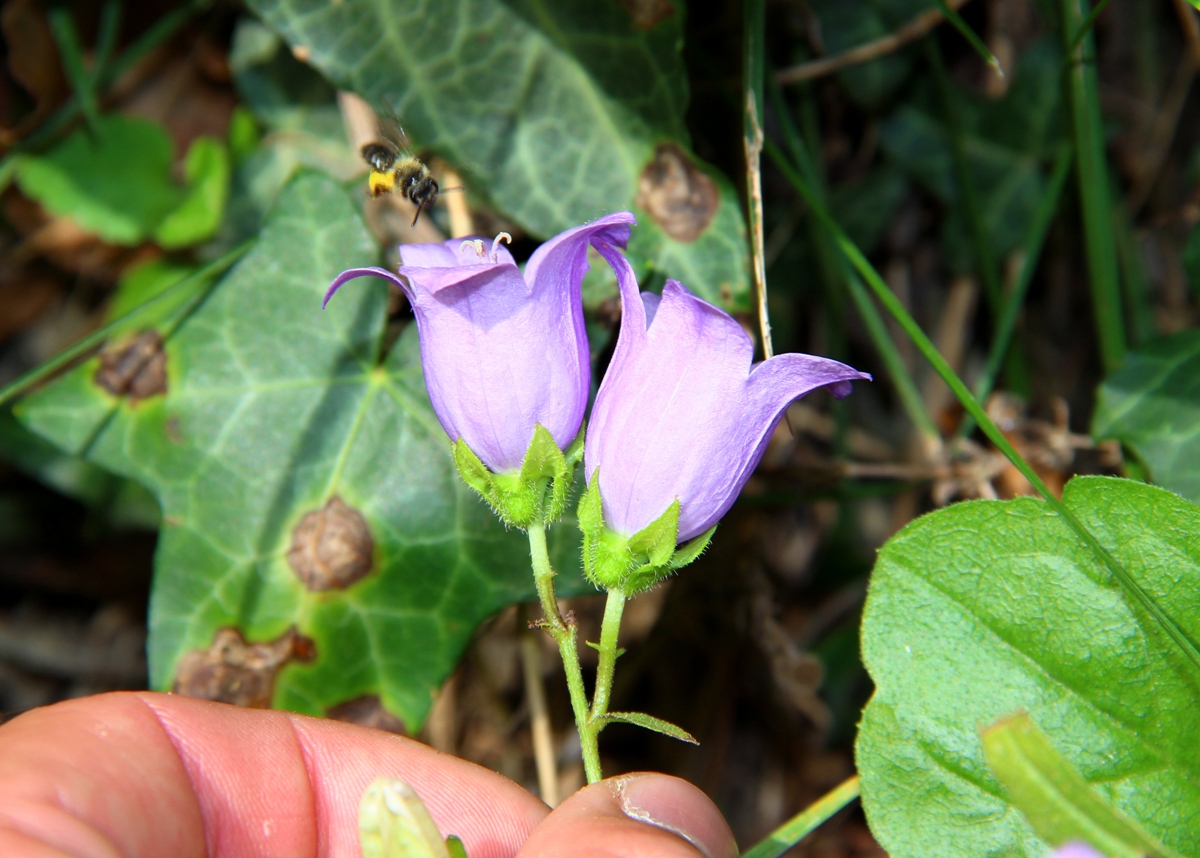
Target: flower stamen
x,y
475,244
501,238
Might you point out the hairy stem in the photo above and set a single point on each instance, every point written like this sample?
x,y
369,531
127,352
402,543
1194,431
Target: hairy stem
x,y
564,636
609,628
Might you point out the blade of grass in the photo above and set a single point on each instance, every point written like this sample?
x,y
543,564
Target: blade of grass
x,y
106,38
985,260
829,261
972,39
94,339
1035,239
956,385
1082,91
66,38
158,33
753,48
1086,26
877,330
806,821
1138,306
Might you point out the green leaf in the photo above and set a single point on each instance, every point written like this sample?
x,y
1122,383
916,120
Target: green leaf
x,y
1009,182
116,184
557,112
984,608
394,823
1055,798
117,502
206,169
1152,403
299,106
284,445
649,722
144,281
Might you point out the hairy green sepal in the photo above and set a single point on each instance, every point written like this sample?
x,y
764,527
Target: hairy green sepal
x,y
536,493
635,563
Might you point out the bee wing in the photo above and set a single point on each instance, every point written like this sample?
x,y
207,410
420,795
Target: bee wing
x,y
390,128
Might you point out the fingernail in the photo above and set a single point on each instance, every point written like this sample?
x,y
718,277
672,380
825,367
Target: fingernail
x,y
678,807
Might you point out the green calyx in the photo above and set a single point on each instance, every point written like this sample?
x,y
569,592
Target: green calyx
x,y
536,493
635,563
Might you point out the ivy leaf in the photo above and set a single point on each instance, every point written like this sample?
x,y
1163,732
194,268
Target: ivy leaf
x,y
1009,182
1152,403
317,546
558,112
986,608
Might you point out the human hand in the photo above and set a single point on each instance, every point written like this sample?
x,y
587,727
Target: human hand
x,y
145,775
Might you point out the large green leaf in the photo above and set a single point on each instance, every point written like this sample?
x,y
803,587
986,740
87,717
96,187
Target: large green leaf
x,y
559,112
1152,403
986,608
273,412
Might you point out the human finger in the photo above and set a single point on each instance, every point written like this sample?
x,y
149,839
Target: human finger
x,y
643,814
153,774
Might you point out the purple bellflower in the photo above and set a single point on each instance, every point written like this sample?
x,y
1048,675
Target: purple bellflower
x,y
502,351
680,422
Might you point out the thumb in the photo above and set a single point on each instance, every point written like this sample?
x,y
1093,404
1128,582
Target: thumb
x,y
643,814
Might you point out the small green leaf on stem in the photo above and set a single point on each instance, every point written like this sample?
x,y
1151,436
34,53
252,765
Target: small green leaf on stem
x,y
972,39
649,722
1055,798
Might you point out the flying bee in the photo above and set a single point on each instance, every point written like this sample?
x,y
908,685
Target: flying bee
x,y
394,167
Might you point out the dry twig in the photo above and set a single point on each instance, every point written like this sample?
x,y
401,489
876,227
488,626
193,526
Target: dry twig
x,y
910,32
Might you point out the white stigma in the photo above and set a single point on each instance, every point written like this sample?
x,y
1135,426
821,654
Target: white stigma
x,y
475,244
502,238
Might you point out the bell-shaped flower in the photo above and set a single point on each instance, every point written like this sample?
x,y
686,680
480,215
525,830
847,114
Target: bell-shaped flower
x,y
681,420
504,352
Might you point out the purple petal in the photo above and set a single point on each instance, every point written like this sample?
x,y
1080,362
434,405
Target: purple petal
x,y
451,254
353,273
681,415
503,351
559,259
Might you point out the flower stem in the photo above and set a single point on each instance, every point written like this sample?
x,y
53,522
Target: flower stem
x,y
609,628
564,636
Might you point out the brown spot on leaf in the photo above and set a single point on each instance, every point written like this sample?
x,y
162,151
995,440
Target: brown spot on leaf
x,y
680,198
135,368
233,671
648,13
367,711
331,547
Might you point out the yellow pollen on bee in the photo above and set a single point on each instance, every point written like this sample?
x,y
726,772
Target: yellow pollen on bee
x,y
380,183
